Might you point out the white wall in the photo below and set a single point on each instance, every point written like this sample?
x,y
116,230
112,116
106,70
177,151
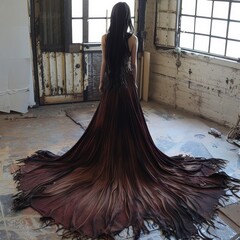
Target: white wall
x,y
202,85
16,77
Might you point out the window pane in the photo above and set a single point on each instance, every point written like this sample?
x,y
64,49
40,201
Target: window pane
x,y
77,8
217,46
219,28
235,10
234,30
202,25
233,49
77,31
97,27
187,24
188,7
204,8
201,43
186,40
99,8
220,9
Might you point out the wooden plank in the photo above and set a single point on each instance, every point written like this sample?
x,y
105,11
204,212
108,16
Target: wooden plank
x,y
69,72
61,80
85,74
230,214
40,70
146,71
53,73
46,74
77,76
61,99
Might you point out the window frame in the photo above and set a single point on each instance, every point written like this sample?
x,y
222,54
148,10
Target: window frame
x,y
73,47
178,32
210,35
65,27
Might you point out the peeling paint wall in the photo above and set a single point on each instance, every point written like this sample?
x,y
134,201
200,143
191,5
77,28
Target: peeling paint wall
x,y
16,78
69,77
202,85
60,77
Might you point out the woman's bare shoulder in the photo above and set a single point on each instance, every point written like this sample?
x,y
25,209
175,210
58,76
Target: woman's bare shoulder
x,y
104,37
132,41
133,38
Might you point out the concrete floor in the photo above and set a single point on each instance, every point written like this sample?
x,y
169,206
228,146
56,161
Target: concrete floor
x,y
48,127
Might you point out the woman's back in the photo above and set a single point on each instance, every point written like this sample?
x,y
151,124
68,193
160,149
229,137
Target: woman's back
x,y
115,46
118,68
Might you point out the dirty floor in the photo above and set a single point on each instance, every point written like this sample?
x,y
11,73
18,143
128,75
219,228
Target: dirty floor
x,y
58,127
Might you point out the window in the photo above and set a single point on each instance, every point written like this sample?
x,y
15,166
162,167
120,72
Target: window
x,y
207,26
91,19
77,21
211,27
64,24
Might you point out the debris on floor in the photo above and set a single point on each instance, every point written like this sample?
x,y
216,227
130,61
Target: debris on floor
x,y
22,116
233,135
215,132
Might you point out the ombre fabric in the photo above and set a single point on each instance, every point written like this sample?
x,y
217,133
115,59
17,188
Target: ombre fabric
x,y
115,177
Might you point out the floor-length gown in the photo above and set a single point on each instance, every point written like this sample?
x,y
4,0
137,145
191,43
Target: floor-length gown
x,y
115,177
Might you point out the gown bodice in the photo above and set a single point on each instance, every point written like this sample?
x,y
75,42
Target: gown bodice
x,y
124,70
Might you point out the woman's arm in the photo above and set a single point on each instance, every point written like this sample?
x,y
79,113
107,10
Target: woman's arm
x,y
134,49
103,64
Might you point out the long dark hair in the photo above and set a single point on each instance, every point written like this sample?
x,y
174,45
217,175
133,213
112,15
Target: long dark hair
x,y
117,44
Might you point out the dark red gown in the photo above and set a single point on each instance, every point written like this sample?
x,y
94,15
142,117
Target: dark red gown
x,y
115,177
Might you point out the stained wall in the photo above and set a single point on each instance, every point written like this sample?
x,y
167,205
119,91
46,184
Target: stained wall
x,y
202,85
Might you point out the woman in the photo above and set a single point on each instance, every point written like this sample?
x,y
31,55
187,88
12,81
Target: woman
x,y
114,176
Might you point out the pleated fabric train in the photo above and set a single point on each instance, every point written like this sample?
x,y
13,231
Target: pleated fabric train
x,y
115,177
